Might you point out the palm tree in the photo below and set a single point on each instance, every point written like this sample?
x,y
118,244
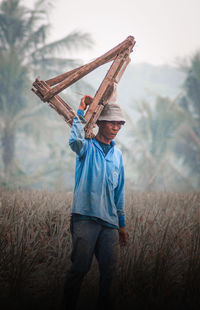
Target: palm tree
x,y
153,140
24,55
188,147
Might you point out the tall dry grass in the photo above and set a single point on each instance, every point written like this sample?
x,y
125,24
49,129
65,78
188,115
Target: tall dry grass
x,y
160,267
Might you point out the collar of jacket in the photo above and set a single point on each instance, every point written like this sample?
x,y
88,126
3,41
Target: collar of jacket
x,y
112,143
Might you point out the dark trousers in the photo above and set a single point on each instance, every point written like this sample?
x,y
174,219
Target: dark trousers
x,y
89,238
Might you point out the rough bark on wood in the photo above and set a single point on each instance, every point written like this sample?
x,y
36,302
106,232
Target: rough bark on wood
x,y
56,102
78,73
100,99
119,55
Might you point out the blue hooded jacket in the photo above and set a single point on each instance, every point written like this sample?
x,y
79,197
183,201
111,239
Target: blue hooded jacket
x,y
99,178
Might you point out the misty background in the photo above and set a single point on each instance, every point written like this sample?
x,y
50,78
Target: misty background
x,y
159,91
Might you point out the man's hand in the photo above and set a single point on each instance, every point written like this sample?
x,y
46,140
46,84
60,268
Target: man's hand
x,y
86,100
123,236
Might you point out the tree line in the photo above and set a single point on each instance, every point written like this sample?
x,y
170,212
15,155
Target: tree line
x,y
163,151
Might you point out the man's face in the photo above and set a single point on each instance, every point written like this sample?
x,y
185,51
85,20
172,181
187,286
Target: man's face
x,y
109,129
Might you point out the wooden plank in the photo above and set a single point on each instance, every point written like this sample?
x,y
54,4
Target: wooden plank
x,y
56,102
123,68
108,80
100,99
128,43
84,70
61,77
120,55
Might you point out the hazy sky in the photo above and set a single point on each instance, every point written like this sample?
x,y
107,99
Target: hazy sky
x,y
164,29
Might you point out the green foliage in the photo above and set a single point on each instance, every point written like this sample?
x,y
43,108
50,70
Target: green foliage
x,y
192,86
158,126
153,140
166,138
188,146
25,54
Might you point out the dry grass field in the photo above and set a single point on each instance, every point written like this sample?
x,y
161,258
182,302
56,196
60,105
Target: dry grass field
x,y
159,269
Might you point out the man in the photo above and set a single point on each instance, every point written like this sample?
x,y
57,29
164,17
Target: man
x,y
98,220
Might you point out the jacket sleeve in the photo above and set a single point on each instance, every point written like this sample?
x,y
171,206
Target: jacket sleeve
x,y
77,142
119,196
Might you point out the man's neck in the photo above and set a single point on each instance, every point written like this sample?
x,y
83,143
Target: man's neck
x,y
102,139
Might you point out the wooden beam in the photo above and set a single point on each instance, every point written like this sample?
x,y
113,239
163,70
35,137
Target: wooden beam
x,y
80,72
119,55
56,102
100,98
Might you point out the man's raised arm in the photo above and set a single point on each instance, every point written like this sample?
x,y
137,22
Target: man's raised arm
x,y
77,142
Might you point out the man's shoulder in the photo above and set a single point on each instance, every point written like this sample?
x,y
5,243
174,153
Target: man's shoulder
x,y
118,150
118,155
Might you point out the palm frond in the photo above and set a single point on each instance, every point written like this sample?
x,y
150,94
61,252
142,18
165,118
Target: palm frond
x,y
26,114
55,62
11,22
35,38
43,5
51,66
24,52
74,40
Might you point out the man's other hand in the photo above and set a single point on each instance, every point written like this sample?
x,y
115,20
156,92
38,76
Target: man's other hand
x,y
123,236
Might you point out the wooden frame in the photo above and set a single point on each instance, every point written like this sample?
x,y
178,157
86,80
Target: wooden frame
x,y
119,55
